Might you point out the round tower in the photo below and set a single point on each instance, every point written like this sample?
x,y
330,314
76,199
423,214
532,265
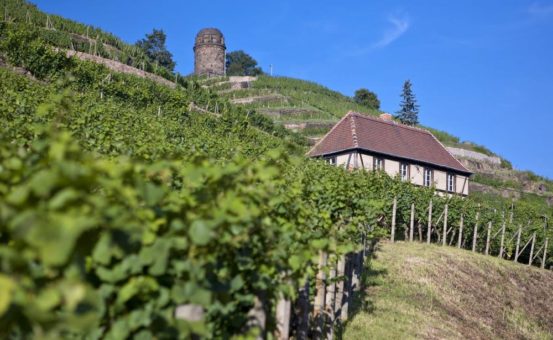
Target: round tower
x,y
209,53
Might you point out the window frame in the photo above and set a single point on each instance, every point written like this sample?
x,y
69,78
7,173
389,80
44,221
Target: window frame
x,y
407,171
425,177
378,163
453,178
332,160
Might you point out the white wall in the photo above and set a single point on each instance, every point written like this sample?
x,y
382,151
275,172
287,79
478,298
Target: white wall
x,y
416,172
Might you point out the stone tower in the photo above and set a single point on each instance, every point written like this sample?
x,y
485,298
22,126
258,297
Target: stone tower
x,y
209,53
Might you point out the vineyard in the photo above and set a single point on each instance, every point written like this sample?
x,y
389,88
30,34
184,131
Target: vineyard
x,y
132,209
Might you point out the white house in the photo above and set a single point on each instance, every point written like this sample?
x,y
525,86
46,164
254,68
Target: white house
x,y
413,154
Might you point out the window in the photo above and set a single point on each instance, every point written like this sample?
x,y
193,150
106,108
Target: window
x,y
331,160
450,182
378,163
428,177
404,171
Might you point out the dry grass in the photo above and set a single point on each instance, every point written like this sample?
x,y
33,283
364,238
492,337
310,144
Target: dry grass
x,y
431,292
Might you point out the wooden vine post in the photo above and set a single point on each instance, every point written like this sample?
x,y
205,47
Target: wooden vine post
x,y
412,224
283,318
393,236
502,245
532,249
475,234
329,303
302,312
460,232
318,305
347,288
429,222
518,242
487,251
444,239
340,285
544,253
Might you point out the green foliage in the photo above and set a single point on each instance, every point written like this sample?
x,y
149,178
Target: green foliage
x,y
153,45
367,98
409,110
444,137
239,63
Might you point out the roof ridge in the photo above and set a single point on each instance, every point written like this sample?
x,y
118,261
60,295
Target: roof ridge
x,y
353,131
394,123
329,132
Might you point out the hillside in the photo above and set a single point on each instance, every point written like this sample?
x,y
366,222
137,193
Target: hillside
x,y
432,292
137,207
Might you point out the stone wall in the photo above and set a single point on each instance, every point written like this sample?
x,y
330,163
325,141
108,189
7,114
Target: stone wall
x,y
458,152
209,60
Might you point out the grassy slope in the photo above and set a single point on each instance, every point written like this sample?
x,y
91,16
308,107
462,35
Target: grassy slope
x,y
428,291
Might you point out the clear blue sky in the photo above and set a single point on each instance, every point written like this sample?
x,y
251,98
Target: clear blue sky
x,y
481,70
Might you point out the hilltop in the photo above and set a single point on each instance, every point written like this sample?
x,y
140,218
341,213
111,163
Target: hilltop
x,y
433,292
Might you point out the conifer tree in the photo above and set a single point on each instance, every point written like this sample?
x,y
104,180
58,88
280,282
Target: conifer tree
x,y
409,110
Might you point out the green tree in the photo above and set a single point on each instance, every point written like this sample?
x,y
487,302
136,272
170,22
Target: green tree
x,y
154,47
409,110
367,98
239,63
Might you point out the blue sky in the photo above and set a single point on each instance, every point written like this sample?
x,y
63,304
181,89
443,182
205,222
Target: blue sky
x,y
481,70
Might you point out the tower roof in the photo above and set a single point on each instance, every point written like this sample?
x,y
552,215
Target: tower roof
x,y
209,31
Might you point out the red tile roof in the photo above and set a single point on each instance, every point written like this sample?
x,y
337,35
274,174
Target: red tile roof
x,y
357,131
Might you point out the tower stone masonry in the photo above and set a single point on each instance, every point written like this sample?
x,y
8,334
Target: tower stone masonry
x,y
209,53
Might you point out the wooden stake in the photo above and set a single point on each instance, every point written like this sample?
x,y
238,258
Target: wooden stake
x,y
544,258
347,288
329,303
318,305
283,318
302,312
412,224
429,222
444,239
488,238
475,234
532,249
501,248
257,317
460,232
340,272
518,243
394,220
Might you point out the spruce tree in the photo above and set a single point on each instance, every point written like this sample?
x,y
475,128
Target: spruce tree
x,y
409,111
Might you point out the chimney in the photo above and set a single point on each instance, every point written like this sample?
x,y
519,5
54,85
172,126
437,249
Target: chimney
x,y
386,116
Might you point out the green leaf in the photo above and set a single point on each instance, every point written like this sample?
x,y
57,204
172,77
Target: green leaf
x,y
200,233
7,287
